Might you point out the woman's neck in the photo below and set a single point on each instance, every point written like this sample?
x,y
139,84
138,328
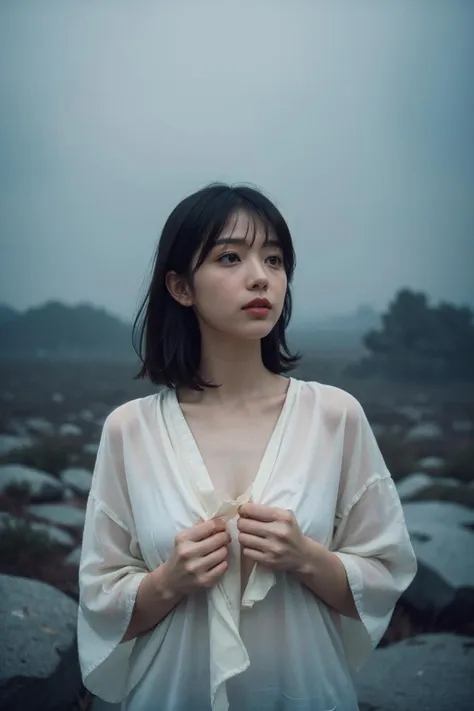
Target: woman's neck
x,y
236,366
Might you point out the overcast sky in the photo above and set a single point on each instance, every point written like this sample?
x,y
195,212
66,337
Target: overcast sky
x,y
356,117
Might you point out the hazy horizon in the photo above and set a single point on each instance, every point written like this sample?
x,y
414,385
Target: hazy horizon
x,y
356,118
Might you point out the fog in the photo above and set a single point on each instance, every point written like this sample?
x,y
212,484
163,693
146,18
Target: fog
x,y
356,118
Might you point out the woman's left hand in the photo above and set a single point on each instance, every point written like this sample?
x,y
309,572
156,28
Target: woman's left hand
x,y
271,537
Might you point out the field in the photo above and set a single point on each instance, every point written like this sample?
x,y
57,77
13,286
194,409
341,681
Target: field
x,y
82,394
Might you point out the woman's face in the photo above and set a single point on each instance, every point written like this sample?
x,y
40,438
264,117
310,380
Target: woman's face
x,y
240,268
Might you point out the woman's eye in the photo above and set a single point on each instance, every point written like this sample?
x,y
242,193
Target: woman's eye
x,y
228,258
275,260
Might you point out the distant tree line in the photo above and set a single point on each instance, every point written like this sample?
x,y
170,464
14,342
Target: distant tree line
x,y
419,341
55,330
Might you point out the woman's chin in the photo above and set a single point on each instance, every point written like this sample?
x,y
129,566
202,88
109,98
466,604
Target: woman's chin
x,y
255,330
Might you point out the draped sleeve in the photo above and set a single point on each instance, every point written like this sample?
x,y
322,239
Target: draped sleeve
x,y
371,538
110,571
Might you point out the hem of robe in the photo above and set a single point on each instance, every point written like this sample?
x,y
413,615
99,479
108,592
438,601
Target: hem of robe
x,y
127,647
358,636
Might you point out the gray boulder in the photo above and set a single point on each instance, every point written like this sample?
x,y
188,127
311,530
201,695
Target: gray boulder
x,y
90,448
69,429
424,673
432,464
60,514
74,557
86,415
39,668
39,425
414,413
9,442
443,542
445,512
412,485
41,486
463,426
425,431
79,480
418,483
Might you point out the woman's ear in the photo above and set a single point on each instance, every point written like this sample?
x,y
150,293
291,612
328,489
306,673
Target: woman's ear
x,y
179,289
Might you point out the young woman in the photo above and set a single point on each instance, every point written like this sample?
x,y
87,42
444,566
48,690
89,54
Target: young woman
x,y
244,544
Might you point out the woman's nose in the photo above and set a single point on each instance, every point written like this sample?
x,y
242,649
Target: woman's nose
x,y
259,280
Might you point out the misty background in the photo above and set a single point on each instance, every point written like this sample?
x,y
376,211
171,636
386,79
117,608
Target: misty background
x,y
355,117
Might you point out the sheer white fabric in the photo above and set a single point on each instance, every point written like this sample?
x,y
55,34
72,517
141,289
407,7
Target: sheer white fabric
x,y
280,647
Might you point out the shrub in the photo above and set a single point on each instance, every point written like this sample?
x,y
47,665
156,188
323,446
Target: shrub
x,y
20,543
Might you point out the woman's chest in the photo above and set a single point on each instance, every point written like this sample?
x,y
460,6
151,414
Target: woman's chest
x,y
232,447
168,498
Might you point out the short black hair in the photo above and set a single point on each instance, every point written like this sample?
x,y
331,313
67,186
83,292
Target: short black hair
x,y
166,335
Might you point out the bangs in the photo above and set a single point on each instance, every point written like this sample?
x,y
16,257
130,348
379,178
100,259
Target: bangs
x,y
261,215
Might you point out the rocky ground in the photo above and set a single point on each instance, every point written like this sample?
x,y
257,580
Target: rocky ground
x,y
50,424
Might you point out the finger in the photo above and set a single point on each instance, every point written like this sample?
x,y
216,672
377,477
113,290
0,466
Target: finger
x,y
218,540
256,528
212,559
258,512
253,542
205,529
256,556
220,524
211,576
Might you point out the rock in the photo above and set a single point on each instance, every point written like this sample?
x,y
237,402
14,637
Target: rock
x,y
39,668
74,557
39,425
56,535
424,673
412,412
381,429
69,495
412,485
463,426
442,553
423,431
86,415
42,486
432,464
78,480
59,514
426,512
443,542
8,443
415,484
446,481
69,429
90,449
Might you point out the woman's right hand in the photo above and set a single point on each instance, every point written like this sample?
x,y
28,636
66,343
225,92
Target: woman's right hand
x,y
199,557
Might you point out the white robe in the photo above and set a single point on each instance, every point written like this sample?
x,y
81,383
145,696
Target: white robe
x,y
280,647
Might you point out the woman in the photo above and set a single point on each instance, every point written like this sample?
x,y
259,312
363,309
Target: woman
x,y
244,544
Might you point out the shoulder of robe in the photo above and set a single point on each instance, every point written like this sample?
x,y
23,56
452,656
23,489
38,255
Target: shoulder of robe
x,y
339,405
128,417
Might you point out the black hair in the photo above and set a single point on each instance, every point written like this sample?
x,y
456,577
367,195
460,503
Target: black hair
x,y
166,335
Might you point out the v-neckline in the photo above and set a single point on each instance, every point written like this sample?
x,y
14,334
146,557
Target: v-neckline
x,y
194,457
